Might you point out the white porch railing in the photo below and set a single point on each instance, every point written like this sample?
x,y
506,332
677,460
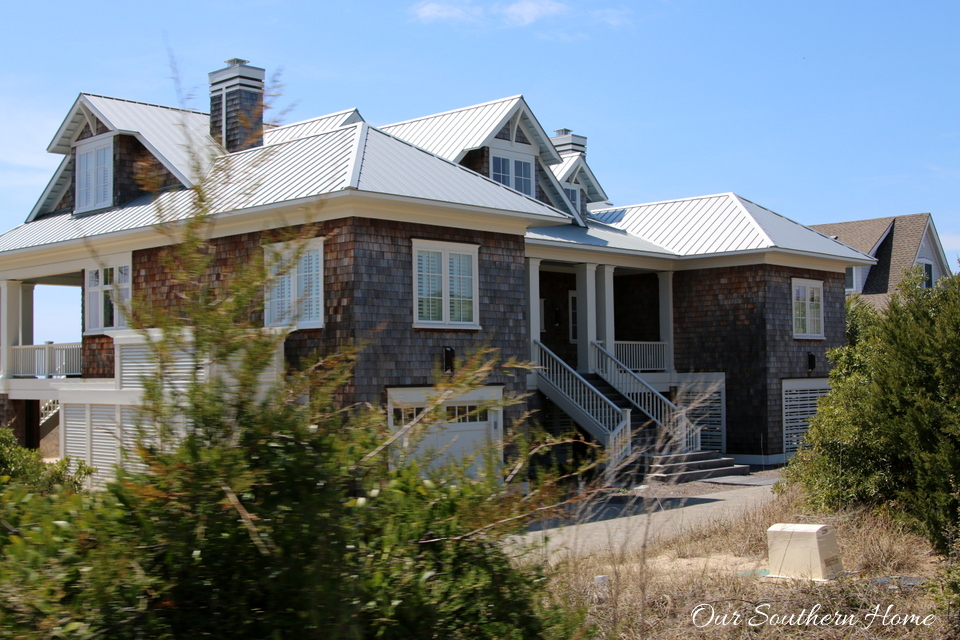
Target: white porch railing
x,y
642,356
592,410
47,360
664,413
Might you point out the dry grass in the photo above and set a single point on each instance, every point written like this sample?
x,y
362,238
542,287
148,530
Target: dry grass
x,y
652,594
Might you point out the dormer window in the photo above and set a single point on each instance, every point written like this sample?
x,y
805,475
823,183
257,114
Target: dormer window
x,y
572,196
513,173
94,174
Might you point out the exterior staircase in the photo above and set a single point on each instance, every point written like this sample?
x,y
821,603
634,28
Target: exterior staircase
x,y
644,433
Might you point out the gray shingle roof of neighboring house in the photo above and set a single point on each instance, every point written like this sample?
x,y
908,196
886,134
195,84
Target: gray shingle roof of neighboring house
x,y
895,241
355,157
719,224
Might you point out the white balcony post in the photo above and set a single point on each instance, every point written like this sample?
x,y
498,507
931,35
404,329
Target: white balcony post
x,y
9,324
49,359
666,318
586,313
605,309
533,313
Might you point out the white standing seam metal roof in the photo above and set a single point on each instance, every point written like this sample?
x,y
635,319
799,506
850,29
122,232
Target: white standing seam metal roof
x,y
356,156
311,127
452,134
178,138
596,234
721,223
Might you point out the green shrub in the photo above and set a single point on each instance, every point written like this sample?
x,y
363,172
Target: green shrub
x,y
26,466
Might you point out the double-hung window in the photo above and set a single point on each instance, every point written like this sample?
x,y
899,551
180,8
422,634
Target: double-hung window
x,y
94,175
501,170
107,290
446,284
295,298
807,308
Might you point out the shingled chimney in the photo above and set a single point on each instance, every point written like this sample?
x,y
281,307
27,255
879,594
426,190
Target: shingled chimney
x,y
566,142
236,105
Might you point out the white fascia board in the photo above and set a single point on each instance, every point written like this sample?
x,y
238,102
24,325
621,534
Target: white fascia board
x,y
593,178
50,187
552,179
545,143
766,256
65,131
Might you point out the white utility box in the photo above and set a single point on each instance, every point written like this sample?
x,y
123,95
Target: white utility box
x,y
803,551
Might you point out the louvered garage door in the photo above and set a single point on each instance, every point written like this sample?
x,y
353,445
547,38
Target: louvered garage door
x,y
799,405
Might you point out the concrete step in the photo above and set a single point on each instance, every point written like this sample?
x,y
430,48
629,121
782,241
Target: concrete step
x,y
690,465
674,458
691,476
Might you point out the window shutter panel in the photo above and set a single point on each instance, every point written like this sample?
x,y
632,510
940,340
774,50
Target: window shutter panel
x,y
309,286
84,180
278,301
103,176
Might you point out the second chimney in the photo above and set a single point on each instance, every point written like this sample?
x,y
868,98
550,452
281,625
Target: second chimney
x,y
566,142
236,105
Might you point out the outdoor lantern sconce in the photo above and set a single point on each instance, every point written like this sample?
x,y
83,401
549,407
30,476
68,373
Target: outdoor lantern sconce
x,y
557,316
448,356
811,361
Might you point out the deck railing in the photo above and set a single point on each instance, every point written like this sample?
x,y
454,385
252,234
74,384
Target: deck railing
x,y
47,360
642,356
664,413
596,413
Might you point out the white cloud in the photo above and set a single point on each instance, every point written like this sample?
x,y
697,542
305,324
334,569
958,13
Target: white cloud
x,y
446,11
614,17
526,12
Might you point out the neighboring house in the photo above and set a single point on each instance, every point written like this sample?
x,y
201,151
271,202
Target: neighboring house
x,y
898,243
434,236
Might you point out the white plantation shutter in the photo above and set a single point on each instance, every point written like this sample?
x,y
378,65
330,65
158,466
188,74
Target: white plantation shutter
x,y
103,178
104,442
84,192
309,287
280,301
297,296
74,433
430,286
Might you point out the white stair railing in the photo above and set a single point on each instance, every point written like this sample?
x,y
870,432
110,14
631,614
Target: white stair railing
x,y
47,409
592,410
664,413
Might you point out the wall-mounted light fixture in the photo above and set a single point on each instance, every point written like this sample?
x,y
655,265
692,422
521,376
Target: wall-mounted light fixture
x,y
811,361
449,355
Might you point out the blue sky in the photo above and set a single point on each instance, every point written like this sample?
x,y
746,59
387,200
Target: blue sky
x,y
823,111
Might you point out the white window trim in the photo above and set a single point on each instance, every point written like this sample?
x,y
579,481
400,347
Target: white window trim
x,y
91,145
933,275
446,248
794,283
285,249
855,275
120,321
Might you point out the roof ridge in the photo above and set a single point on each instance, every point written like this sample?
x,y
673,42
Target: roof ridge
x,y
655,202
329,115
444,113
146,104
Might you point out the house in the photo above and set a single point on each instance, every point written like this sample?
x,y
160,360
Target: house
x,y
434,235
898,243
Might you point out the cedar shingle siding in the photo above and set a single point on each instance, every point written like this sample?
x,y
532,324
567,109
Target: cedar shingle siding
x,y
368,299
740,320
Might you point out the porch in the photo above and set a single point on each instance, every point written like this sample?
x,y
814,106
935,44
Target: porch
x,y
603,338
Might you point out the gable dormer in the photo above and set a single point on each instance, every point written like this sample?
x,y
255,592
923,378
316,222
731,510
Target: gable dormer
x,y
579,184
501,140
117,150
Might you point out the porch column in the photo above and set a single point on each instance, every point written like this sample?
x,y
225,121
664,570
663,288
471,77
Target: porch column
x,y
605,323
665,279
586,314
26,314
533,313
9,324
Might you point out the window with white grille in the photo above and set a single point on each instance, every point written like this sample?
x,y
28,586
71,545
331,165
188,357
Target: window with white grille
x,y
107,290
94,175
446,284
807,308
